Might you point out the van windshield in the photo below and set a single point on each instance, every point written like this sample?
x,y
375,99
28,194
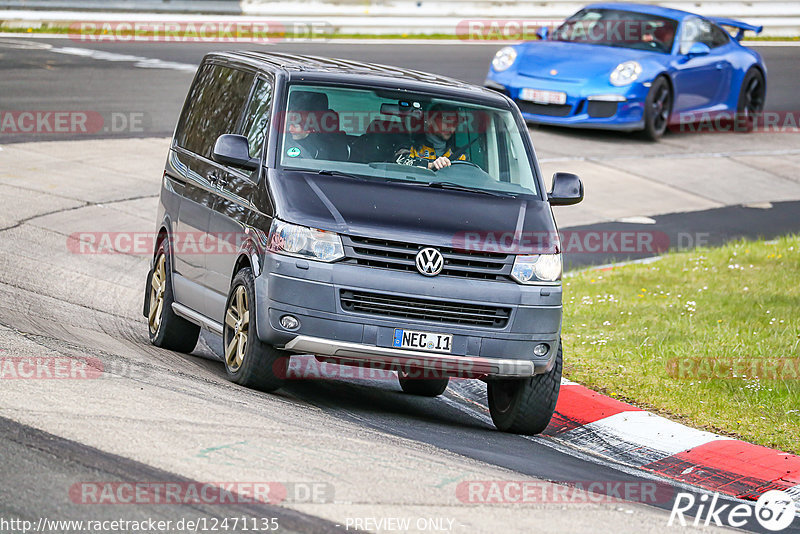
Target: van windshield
x,y
399,136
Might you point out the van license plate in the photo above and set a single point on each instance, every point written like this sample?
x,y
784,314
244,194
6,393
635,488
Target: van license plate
x,y
411,339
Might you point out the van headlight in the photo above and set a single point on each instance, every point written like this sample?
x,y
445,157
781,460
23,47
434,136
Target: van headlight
x,y
304,242
626,72
504,58
537,268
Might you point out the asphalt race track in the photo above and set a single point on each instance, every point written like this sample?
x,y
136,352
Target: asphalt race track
x,y
161,416
32,76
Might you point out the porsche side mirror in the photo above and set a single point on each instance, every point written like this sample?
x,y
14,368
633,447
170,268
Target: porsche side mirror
x,y
543,32
567,189
698,49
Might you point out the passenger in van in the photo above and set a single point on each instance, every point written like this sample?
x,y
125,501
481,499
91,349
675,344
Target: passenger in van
x,y
313,128
434,146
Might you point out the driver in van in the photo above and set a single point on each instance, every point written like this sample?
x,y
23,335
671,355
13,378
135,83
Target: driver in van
x,y
434,147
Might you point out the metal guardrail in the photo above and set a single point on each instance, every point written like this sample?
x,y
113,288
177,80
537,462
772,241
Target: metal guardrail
x,y
779,18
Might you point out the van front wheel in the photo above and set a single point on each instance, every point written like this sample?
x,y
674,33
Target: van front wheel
x,y
525,406
249,361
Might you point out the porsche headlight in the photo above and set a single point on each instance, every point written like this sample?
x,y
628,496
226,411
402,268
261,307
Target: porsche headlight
x,y
625,73
304,242
504,58
537,268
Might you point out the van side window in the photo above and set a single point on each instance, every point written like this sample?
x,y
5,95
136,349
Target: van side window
x,y
257,118
213,107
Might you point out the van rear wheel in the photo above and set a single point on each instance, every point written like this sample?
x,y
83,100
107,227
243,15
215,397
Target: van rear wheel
x,y
167,330
249,361
525,406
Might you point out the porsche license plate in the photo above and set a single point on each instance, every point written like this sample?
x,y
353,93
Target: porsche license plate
x,y
411,339
541,96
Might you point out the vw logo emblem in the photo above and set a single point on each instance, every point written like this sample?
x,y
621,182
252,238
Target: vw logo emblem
x,y
429,261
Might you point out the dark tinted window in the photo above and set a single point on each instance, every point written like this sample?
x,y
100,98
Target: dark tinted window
x,y
697,30
718,36
257,118
213,107
620,28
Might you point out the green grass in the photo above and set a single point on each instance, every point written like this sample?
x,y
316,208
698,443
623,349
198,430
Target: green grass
x,y
625,327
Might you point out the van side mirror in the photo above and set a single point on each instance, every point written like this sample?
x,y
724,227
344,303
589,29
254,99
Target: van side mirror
x,y
543,32
567,189
234,150
698,49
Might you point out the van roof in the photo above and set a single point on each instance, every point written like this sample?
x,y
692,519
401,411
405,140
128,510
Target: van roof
x,y
315,68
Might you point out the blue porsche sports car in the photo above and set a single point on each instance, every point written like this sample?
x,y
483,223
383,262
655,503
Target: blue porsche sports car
x,y
632,67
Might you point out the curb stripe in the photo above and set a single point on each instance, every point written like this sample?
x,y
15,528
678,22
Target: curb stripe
x,y
628,435
638,438
748,460
578,406
712,478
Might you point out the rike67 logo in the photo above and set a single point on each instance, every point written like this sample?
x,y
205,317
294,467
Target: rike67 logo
x,y
774,511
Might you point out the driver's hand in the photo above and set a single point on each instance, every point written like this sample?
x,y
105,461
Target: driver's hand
x,y
439,163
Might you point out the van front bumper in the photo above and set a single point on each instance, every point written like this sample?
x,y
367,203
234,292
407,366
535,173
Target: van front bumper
x,y
311,292
386,357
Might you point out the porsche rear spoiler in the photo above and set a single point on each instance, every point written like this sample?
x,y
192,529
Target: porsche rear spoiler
x,y
741,26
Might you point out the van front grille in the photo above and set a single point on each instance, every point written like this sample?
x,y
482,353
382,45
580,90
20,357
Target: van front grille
x,y
401,256
444,312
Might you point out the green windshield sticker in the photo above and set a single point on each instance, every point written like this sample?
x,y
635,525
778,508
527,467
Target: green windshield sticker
x,y
293,152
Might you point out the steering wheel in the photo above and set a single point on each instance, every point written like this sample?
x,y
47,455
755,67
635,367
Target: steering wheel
x,y
464,162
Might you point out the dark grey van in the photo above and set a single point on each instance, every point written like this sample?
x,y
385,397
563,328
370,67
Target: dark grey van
x,y
367,215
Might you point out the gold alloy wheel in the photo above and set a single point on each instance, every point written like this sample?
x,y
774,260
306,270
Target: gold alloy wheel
x,y
237,319
158,285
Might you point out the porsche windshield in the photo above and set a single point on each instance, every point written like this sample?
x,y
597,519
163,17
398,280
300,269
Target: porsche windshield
x,y
389,135
614,27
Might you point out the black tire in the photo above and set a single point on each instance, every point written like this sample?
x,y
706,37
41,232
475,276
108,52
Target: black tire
x,y
525,406
258,365
657,109
167,330
424,387
752,96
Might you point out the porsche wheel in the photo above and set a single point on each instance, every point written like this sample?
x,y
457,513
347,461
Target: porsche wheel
x,y
657,109
752,96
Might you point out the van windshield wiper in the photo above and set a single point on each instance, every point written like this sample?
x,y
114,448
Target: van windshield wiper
x,y
327,172
459,187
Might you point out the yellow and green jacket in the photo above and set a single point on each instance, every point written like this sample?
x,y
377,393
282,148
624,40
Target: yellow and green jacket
x,y
421,152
